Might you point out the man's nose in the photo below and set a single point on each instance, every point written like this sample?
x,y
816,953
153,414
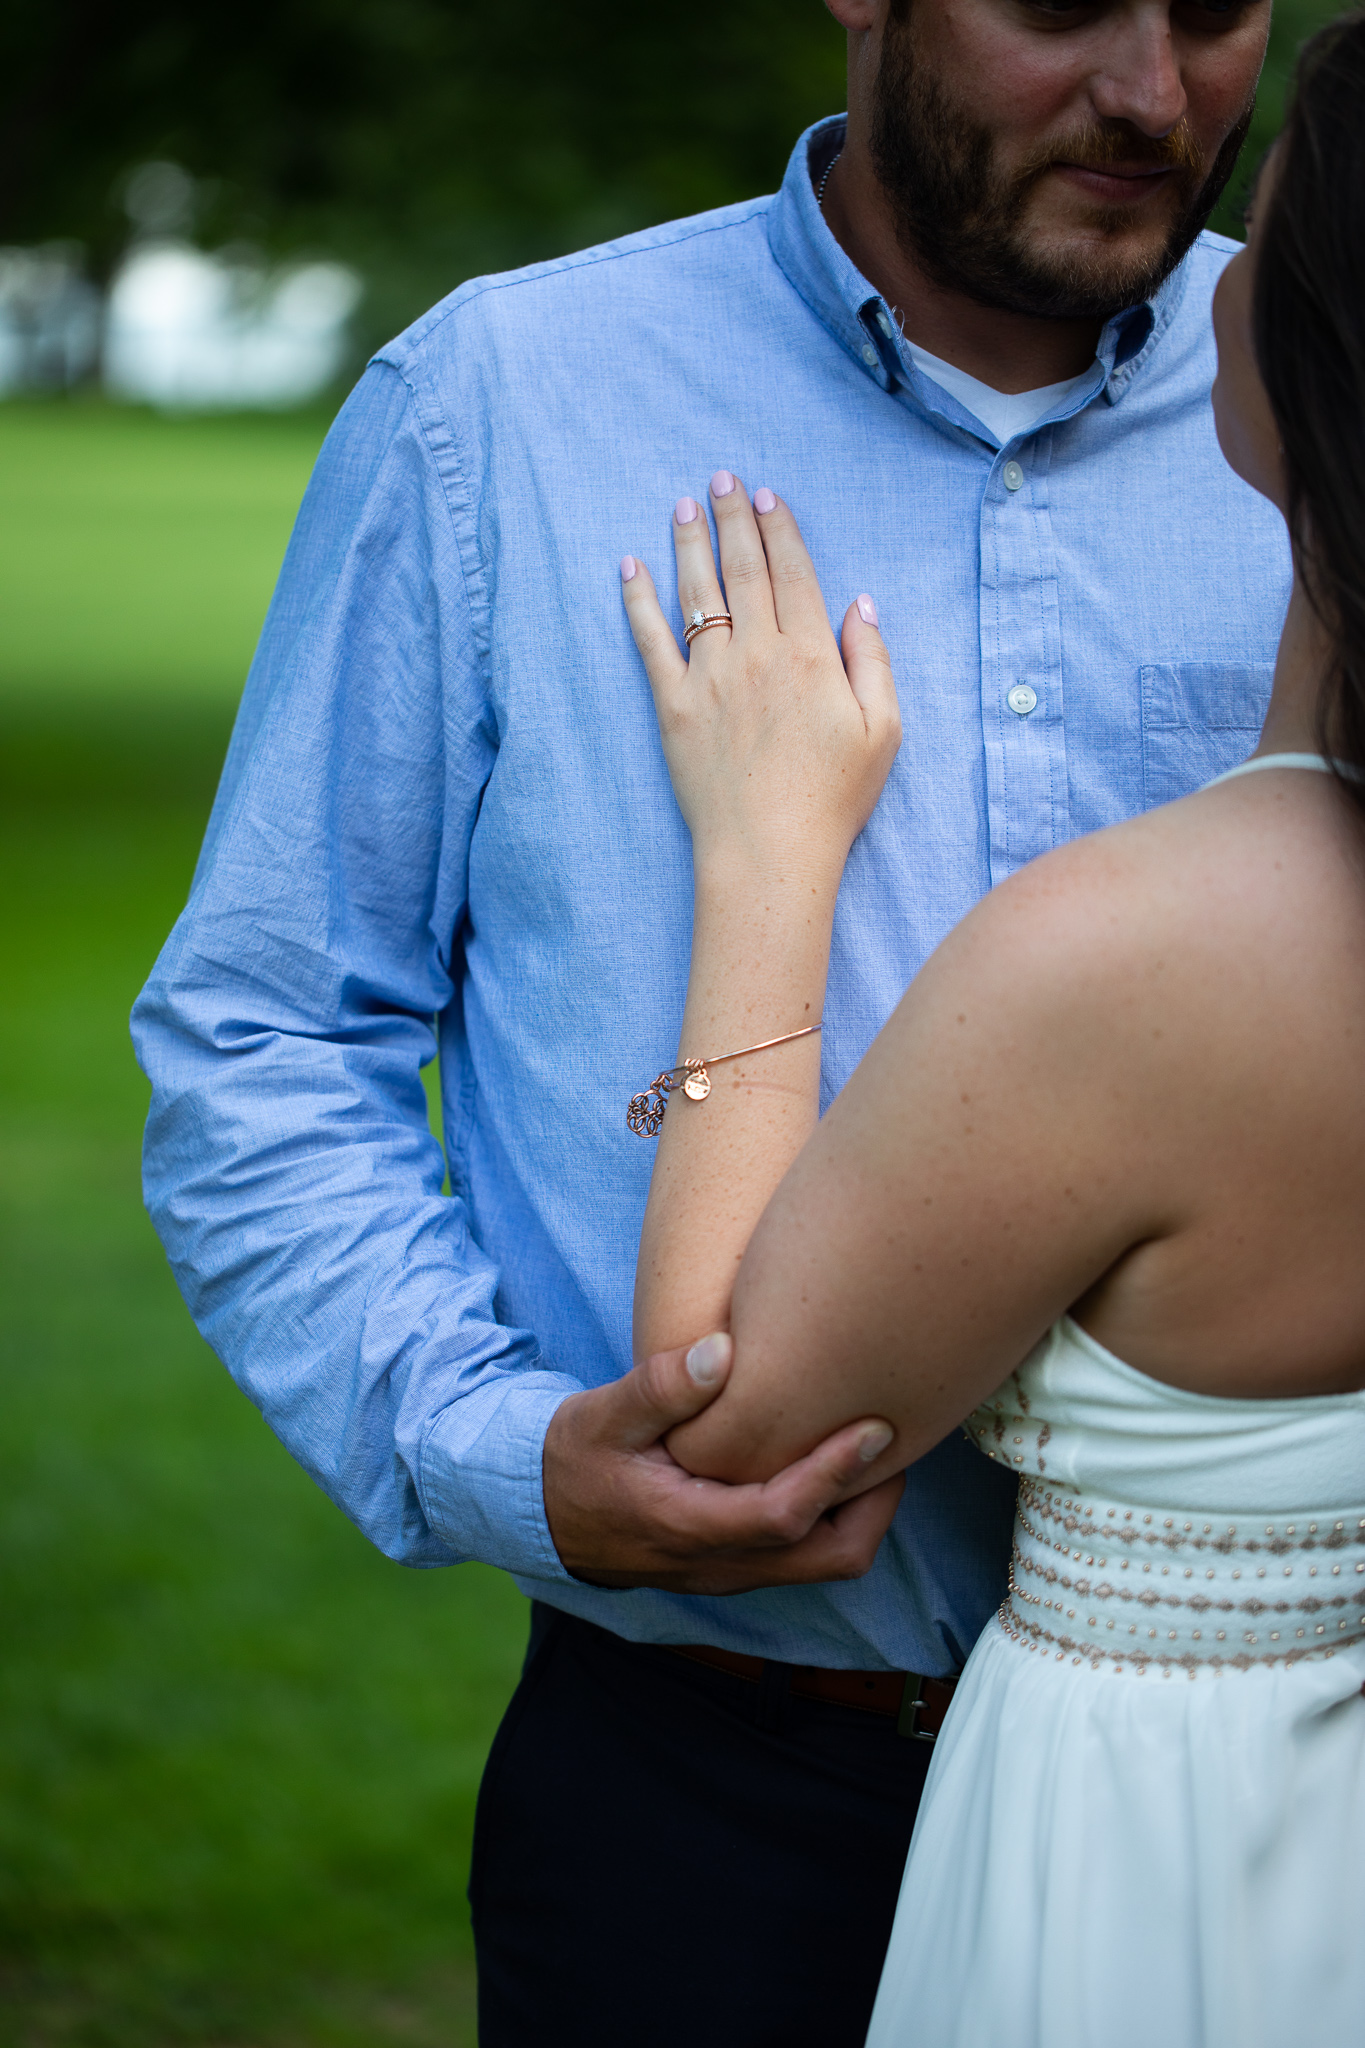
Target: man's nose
x,y
1139,81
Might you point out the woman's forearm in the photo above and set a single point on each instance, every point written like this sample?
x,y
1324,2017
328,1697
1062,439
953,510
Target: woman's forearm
x,y
760,954
777,752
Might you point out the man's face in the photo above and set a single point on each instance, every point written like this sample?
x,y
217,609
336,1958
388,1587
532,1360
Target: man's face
x,y
1059,159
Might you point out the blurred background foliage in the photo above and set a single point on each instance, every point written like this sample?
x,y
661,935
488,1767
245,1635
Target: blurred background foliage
x,y
239,1751
420,140
424,141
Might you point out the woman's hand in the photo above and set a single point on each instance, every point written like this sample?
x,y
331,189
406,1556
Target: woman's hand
x,y
776,747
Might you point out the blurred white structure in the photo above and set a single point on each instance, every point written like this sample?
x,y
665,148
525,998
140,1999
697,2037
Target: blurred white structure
x,y
185,329
49,319
179,328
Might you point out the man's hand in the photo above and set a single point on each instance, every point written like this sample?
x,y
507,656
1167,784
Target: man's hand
x,y
623,1512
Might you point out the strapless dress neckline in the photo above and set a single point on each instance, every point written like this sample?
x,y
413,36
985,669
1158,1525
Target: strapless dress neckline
x,y
1160,1527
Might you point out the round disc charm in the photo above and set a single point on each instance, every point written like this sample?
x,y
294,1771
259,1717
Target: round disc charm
x,y
697,1086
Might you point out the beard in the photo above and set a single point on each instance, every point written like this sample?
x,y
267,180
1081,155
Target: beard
x,y
965,220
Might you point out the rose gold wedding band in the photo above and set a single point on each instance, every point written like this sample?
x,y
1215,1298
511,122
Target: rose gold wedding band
x,y
701,620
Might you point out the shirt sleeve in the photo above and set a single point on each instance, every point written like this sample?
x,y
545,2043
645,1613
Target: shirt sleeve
x,y
288,1163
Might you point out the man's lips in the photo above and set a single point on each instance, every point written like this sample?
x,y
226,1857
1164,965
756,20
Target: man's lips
x,y
1117,184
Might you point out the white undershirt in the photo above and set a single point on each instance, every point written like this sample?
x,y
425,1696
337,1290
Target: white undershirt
x,y
1006,413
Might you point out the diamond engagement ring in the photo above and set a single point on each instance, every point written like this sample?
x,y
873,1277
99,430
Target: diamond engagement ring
x,y
699,622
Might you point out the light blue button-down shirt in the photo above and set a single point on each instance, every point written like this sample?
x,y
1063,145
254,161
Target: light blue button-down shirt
x,y
446,800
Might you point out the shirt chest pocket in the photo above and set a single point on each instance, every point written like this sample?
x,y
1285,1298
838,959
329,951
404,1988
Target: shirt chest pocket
x,y
1198,718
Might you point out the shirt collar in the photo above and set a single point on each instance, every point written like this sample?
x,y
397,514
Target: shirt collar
x,y
860,319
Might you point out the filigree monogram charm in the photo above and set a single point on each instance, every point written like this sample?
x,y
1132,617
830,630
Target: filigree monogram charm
x,y
645,1112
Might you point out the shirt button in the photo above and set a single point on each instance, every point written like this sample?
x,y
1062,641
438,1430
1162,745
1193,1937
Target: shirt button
x,y
1013,477
869,354
1022,699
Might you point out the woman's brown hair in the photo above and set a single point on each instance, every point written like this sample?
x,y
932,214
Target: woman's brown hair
x,y
1309,325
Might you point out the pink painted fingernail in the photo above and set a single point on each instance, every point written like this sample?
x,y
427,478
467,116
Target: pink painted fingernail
x,y
685,511
628,567
708,1359
722,483
867,610
764,501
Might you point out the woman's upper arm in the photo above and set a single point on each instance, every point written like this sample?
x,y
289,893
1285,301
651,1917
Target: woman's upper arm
x,y
982,1168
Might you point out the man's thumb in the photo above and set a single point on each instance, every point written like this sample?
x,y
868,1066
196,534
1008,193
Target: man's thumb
x,y
708,1362
671,1386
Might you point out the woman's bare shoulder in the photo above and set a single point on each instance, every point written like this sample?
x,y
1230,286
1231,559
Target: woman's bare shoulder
x,y
1189,910
1101,1058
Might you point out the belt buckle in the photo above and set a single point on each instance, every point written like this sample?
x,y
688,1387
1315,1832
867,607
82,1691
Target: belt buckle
x,y
912,1700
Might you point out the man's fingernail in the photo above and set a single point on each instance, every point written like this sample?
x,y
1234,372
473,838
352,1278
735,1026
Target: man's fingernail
x,y
722,483
874,1441
764,501
685,511
628,567
867,610
708,1359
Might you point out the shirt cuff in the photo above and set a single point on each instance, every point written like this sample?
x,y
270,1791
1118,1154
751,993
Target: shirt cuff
x,y
481,1473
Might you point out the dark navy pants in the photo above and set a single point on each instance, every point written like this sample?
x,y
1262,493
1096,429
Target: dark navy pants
x,y
666,1856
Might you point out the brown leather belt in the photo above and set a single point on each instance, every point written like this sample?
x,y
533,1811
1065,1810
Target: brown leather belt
x,y
918,1704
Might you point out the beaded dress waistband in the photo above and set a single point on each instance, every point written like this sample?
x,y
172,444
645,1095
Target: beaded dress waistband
x,y
1135,1588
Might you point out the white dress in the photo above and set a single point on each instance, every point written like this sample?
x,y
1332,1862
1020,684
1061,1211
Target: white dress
x,y
1145,1817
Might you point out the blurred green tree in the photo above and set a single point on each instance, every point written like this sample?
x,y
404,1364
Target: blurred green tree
x,y
424,140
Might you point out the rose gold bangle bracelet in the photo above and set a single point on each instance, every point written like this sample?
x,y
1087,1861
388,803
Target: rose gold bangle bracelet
x,y
645,1112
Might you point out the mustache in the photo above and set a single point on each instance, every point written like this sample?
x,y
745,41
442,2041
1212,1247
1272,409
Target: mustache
x,y
1101,145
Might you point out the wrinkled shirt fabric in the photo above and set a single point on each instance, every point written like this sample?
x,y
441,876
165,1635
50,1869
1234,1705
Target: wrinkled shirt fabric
x,y
445,815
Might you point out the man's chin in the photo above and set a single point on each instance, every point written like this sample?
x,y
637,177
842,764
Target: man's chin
x,y
1063,219
1074,279
1096,253
1100,262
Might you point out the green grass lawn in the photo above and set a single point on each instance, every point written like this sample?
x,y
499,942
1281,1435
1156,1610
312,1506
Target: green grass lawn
x,y
238,1749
